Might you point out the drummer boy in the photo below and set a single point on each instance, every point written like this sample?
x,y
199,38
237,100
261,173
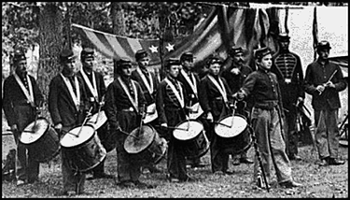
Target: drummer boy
x,y
215,99
22,96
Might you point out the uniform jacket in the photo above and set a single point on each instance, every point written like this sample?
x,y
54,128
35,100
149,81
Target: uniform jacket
x,y
295,89
149,98
262,86
61,105
14,96
166,99
317,74
188,88
210,97
101,88
117,100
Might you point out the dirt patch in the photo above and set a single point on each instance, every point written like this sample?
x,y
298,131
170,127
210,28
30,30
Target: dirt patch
x,y
319,182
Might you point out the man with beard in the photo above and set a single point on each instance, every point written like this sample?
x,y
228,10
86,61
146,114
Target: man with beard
x,y
170,104
266,120
287,66
190,81
324,80
149,84
96,89
215,98
22,97
68,107
234,76
124,109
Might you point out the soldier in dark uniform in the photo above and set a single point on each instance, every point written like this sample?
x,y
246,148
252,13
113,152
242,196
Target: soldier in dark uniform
x,y
266,119
234,76
68,106
96,89
149,84
215,97
124,107
190,81
287,67
170,104
325,101
22,97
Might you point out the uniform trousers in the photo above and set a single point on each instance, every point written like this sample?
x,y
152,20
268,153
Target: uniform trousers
x,y
73,180
267,128
127,169
327,133
176,159
27,168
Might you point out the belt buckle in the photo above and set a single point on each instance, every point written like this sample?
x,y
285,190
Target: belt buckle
x,y
131,109
288,80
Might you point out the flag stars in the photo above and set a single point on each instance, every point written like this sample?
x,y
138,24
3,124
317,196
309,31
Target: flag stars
x,y
170,47
153,49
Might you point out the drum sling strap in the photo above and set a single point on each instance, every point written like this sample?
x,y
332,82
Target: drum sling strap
x,y
134,103
149,85
30,95
92,87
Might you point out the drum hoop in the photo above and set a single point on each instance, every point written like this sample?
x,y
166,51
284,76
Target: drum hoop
x,y
47,128
81,144
189,120
145,147
226,116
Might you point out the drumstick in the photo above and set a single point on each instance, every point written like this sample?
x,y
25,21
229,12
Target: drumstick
x,y
26,131
172,127
99,109
233,113
330,78
81,128
223,124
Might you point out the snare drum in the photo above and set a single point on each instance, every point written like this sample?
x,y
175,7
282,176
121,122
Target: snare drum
x,y
191,136
145,146
234,134
83,148
100,122
42,139
151,114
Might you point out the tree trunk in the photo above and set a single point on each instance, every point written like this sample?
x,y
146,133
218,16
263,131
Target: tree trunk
x,y
51,44
118,22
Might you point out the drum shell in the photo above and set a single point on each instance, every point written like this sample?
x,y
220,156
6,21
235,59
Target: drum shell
x,y
47,146
237,144
154,153
85,156
196,146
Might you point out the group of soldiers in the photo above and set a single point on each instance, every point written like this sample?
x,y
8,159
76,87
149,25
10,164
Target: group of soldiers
x,y
264,96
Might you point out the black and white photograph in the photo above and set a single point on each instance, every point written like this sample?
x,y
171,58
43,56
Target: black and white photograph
x,y
175,100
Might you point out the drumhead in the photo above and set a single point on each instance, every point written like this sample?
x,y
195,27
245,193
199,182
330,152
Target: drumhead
x,y
34,131
239,125
71,140
193,128
102,119
151,113
135,143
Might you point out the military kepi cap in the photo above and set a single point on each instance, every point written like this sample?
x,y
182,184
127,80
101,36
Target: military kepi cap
x,y
323,45
235,50
172,61
18,55
186,56
141,54
260,53
67,55
214,59
283,37
87,52
124,62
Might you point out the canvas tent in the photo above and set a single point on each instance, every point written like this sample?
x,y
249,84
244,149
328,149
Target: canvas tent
x,y
249,28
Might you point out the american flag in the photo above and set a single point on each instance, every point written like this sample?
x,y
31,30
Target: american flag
x,y
224,26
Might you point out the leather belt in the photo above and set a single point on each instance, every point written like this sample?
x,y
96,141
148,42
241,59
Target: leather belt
x,y
267,105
